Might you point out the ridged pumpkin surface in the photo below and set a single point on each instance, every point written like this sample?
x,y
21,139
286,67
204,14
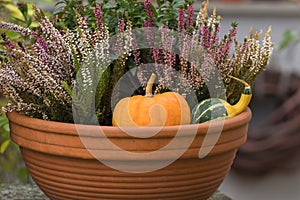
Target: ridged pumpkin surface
x,y
165,109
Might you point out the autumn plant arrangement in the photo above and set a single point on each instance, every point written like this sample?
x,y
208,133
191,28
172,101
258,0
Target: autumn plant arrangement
x,y
126,64
43,72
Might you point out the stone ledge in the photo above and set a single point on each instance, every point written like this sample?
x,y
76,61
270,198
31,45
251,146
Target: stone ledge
x,y
32,192
21,192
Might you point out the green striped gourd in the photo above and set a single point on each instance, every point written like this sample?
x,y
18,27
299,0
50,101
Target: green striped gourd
x,y
215,108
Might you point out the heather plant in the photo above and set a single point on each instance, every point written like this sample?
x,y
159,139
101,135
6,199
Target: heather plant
x,y
201,49
43,74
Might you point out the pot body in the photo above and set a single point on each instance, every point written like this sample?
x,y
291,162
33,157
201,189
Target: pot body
x,y
64,166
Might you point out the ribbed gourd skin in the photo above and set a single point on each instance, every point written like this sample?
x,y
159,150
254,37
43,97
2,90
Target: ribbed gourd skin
x,y
207,110
62,167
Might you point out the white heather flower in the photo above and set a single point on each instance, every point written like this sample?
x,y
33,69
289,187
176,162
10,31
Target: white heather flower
x,y
36,73
16,28
57,45
128,38
267,46
87,80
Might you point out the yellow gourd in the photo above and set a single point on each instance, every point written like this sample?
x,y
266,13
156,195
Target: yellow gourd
x,y
243,102
215,108
164,109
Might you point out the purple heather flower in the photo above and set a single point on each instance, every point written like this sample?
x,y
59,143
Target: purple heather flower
x,y
245,46
190,18
156,55
62,32
121,26
42,42
99,16
149,34
205,36
180,27
167,45
149,12
119,45
57,46
214,38
180,20
8,44
228,40
151,41
136,51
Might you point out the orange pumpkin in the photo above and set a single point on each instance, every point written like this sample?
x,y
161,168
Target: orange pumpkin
x,y
165,109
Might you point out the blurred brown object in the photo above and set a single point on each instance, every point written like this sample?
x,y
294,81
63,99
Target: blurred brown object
x,y
229,1
274,137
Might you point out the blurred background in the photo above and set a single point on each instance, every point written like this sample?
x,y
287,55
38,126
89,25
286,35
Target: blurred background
x,y
268,165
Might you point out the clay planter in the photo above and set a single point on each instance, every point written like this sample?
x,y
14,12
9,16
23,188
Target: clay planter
x,y
63,168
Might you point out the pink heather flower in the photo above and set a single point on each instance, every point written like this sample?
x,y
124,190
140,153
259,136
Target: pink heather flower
x,y
180,20
119,45
149,34
149,13
190,18
80,5
99,16
180,25
136,51
8,44
42,42
225,48
150,38
167,45
156,55
121,26
244,47
205,36
214,38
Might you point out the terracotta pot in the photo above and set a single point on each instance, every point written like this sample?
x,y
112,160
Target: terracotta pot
x,y
63,168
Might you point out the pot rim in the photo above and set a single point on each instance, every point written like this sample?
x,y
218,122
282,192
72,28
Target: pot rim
x,y
72,129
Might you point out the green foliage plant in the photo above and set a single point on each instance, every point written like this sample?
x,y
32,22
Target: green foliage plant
x,y
166,12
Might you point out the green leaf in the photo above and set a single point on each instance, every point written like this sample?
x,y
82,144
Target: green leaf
x,y
4,146
153,9
23,175
102,87
109,6
167,3
6,127
13,35
67,88
59,2
289,37
58,12
3,121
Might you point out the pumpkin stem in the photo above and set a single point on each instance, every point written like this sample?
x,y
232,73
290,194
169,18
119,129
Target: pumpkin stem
x,y
150,85
242,81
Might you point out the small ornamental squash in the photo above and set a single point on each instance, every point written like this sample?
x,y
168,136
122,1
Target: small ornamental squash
x,y
166,109
215,108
